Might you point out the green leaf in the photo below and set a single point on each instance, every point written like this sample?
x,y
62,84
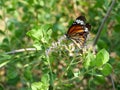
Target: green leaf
x,y
28,74
99,58
117,28
43,85
4,59
99,4
102,43
45,79
39,32
90,58
105,56
37,45
37,86
99,79
41,35
107,69
12,73
118,18
35,33
102,57
46,27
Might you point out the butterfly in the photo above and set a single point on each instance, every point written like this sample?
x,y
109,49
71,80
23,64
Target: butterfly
x,y
78,31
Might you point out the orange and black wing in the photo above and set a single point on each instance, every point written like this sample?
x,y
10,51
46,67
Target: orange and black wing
x,y
79,30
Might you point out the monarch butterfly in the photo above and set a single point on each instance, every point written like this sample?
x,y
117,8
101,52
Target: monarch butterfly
x,y
78,31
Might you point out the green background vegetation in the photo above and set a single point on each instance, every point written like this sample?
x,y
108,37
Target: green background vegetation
x,y
41,24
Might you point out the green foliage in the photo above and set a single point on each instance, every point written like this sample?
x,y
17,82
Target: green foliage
x,y
57,64
102,57
98,62
107,69
40,35
43,85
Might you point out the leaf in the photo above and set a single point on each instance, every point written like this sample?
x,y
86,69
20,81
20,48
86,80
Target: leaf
x,y
45,79
102,43
28,74
105,56
37,86
4,59
99,79
37,45
117,28
43,85
12,73
107,69
99,58
41,35
118,18
102,57
90,58
46,27
39,32
35,33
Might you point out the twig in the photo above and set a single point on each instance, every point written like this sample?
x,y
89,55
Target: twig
x,y
21,50
54,45
103,22
112,82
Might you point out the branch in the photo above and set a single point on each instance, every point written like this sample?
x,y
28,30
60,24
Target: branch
x,y
113,84
21,50
103,22
47,51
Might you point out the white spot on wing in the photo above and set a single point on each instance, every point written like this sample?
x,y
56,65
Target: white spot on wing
x,y
86,29
80,22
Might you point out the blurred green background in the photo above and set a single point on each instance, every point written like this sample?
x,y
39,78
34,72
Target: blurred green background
x,y
30,70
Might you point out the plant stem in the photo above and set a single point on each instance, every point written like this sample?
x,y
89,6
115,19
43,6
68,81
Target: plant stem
x,y
21,50
103,22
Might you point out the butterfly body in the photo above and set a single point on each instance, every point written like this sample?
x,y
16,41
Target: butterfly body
x,y
78,31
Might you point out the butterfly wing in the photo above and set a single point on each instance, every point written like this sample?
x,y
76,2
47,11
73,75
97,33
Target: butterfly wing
x,y
78,31
77,34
